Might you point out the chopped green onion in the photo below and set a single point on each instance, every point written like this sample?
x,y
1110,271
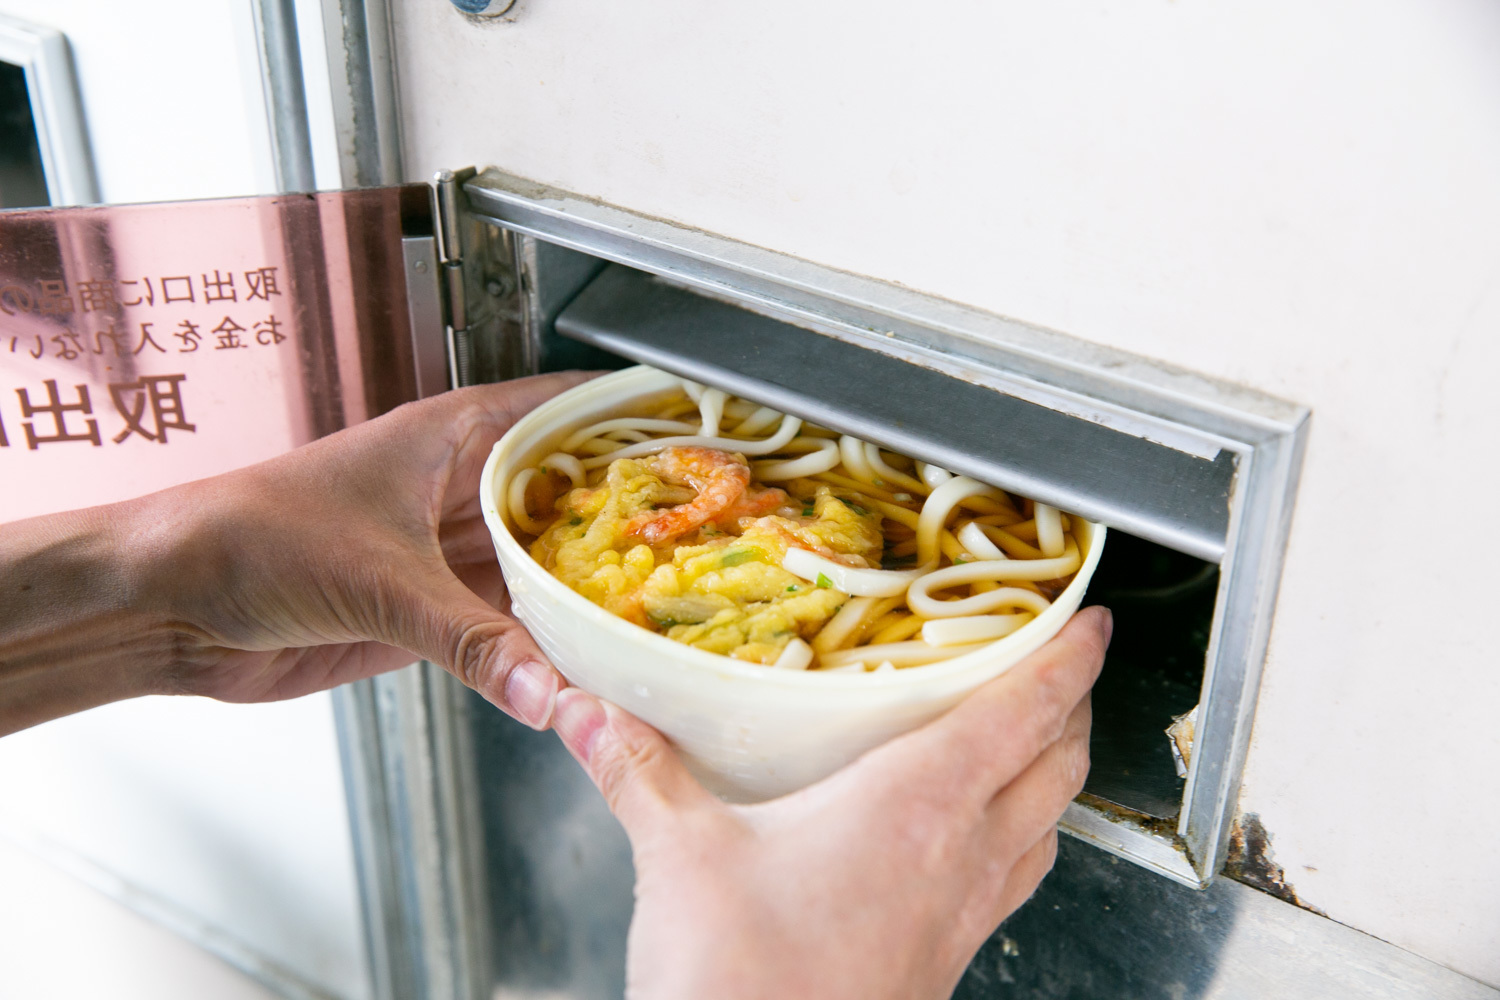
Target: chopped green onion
x,y
792,589
736,556
823,581
576,520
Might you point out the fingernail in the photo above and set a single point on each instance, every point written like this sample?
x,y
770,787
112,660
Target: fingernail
x,y
579,720
530,691
1109,626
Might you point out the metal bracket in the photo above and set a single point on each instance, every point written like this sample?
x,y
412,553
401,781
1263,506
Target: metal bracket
x,y
447,195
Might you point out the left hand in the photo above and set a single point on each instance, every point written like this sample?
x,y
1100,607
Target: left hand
x,y
349,557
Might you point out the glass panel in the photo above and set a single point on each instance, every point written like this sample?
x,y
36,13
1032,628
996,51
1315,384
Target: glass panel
x,y
146,345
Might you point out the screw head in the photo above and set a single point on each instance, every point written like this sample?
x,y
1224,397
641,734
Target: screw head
x,y
484,8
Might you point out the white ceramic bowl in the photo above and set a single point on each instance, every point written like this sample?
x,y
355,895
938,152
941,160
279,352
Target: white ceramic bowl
x,y
749,732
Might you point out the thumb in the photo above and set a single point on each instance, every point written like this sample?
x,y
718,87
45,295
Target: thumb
x,y
640,775
487,649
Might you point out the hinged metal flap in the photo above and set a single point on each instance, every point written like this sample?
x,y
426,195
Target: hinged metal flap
x,y
1167,494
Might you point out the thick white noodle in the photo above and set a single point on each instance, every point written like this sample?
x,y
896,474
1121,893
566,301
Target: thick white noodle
x,y
625,436
739,409
849,579
919,597
843,623
568,465
693,389
797,655
575,440
789,427
823,458
515,500
757,421
892,477
971,628
711,409
972,537
1049,531
936,509
598,446
932,475
901,654
853,451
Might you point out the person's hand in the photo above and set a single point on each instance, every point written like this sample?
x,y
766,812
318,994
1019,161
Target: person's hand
x,y
344,558
878,883
353,555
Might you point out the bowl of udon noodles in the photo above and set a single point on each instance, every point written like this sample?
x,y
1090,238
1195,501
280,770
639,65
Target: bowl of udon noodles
x,y
774,597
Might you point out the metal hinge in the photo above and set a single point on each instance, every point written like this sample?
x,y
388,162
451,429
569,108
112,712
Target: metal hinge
x,y
446,195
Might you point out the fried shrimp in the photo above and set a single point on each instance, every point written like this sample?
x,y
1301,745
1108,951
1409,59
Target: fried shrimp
x,y
720,478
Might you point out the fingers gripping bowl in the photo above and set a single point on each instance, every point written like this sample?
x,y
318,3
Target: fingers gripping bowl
x,y
750,730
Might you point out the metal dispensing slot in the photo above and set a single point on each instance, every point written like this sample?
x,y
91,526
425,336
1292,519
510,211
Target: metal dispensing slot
x,y
515,875
1199,474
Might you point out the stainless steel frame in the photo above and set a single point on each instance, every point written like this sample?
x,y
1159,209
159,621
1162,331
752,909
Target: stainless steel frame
x,y
1077,392
286,98
362,76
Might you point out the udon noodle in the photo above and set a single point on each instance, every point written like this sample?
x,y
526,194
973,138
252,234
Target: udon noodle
x,y
740,530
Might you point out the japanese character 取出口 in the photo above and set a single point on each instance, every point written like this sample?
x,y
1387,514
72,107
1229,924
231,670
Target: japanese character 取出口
x,y
153,398
262,282
58,411
219,288
178,288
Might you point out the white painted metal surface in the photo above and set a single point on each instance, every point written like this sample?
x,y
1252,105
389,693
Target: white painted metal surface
x,y
226,823
1299,199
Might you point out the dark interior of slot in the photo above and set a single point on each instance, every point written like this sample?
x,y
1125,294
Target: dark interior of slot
x,y
1163,603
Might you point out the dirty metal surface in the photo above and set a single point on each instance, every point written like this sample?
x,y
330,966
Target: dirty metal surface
x,y
1102,928
1251,861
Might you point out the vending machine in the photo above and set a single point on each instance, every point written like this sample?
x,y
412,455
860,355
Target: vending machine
x,y
1220,280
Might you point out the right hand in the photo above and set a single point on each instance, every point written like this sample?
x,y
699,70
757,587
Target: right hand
x,y
877,883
